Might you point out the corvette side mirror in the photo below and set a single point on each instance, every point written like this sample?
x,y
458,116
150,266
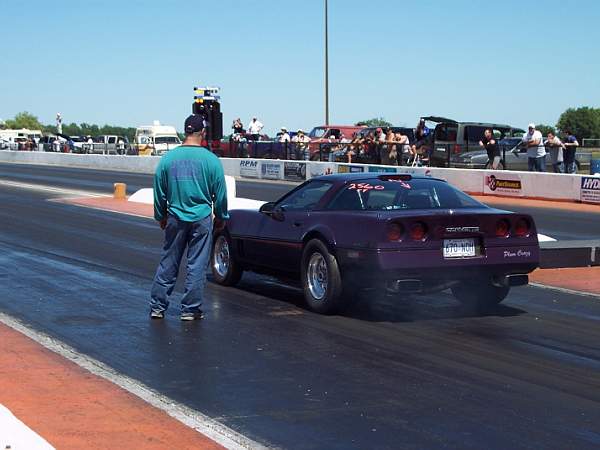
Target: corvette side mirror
x,y
267,208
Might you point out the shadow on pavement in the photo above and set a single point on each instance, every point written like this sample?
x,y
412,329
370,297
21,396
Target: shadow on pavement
x,y
373,307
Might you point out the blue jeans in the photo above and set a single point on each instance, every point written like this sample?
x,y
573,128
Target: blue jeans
x,y
558,167
569,158
537,164
196,236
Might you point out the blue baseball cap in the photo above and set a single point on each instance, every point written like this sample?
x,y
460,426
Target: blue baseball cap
x,y
194,124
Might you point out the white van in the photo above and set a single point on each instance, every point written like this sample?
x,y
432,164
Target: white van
x,y
156,139
9,138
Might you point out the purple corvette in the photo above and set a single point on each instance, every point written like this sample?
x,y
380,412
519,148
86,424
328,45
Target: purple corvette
x,y
339,234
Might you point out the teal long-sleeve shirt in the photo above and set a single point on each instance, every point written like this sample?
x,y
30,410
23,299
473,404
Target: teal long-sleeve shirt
x,y
188,182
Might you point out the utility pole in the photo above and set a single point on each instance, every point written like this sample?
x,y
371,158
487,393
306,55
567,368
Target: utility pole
x,y
326,68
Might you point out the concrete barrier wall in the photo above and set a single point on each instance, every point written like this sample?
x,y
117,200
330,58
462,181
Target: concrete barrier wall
x,y
138,164
503,183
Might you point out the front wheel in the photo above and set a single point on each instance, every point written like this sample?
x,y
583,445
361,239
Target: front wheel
x,y
321,278
225,269
480,295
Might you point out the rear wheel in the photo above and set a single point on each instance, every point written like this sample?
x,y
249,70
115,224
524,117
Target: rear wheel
x,y
480,295
225,269
321,278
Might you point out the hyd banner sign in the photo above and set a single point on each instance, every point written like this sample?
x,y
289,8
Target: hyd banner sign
x,y
590,189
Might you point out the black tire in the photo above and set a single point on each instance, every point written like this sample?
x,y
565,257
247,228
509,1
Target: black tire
x,y
480,296
318,262
225,269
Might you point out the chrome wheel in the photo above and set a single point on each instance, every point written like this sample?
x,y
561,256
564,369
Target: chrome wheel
x,y
317,276
221,259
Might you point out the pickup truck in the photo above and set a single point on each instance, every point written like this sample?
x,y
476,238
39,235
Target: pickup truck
x,y
109,144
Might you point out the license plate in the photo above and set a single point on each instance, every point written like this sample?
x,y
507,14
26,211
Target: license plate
x,y
459,248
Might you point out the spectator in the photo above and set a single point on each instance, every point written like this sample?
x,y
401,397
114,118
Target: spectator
x,y
254,129
402,149
354,147
571,145
388,153
556,152
378,146
284,136
333,148
238,126
56,145
121,146
301,141
491,146
536,152
90,144
370,147
420,148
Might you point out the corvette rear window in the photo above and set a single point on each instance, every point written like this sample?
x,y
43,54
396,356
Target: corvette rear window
x,y
388,195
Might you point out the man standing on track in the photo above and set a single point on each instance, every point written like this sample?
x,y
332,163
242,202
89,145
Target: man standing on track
x,y
188,185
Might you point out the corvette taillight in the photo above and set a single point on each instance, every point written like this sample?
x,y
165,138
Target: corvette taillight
x,y
418,231
522,227
395,232
502,228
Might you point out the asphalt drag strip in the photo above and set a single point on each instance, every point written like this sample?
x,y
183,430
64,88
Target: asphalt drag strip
x,y
390,373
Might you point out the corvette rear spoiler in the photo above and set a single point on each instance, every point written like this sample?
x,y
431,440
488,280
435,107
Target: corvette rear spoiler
x,y
399,176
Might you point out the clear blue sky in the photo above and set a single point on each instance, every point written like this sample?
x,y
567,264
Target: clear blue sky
x,y
130,62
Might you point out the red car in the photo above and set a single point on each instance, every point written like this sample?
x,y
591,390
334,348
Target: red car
x,y
323,134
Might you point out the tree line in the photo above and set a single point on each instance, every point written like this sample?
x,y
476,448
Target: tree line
x,y
31,122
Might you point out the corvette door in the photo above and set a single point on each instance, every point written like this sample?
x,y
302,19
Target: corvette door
x,y
279,238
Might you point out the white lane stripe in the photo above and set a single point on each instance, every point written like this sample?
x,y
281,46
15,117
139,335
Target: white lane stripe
x,y
52,189
15,435
216,431
565,290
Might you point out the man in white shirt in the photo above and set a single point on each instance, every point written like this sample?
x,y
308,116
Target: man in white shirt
x,y
301,140
556,147
254,129
284,136
536,152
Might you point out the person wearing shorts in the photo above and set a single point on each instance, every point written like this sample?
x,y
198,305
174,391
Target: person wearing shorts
x,y
491,146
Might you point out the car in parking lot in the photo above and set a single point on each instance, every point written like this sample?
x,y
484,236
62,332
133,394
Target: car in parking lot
x,y
339,234
450,140
514,157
